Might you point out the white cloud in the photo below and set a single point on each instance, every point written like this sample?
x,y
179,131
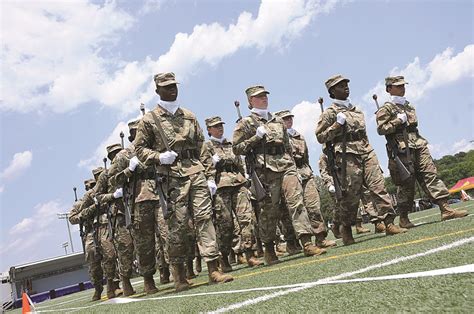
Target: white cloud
x,y
44,215
444,69
439,150
306,116
150,6
18,165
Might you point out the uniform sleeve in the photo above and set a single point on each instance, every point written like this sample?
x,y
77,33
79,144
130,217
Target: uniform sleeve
x,y
73,215
144,143
387,122
306,152
324,171
206,160
119,172
199,136
102,189
327,128
243,142
286,143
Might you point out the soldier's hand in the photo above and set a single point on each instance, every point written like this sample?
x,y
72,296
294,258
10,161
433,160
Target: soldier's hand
x,y
118,193
212,187
215,159
332,189
133,163
168,157
261,131
96,201
341,118
402,117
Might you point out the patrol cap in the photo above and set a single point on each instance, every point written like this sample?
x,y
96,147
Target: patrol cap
x,y
255,90
284,113
113,148
213,121
164,79
395,80
133,125
97,171
334,80
89,183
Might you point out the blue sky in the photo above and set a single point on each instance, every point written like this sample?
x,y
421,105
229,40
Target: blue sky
x,y
76,72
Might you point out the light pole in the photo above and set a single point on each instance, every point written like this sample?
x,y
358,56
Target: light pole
x,y
65,216
65,245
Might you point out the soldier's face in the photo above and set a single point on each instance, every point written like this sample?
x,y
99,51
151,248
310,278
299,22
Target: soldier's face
x,y
288,122
341,90
168,92
216,131
397,90
259,101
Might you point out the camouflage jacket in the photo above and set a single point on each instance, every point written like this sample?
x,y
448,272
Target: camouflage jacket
x,y
121,176
324,170
184,136
301,156
329,130
389,125
229,171
246,141
73,215
88,209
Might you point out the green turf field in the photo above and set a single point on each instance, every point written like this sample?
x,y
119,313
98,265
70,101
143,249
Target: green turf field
x,y
313,284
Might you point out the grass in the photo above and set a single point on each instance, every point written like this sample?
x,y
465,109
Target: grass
x,y
451,293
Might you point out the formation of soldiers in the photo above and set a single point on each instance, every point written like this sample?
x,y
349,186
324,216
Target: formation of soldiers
x,y
171,199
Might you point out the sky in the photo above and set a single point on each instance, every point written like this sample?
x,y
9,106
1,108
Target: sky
x,y
73,73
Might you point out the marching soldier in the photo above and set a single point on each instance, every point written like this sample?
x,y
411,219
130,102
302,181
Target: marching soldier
x,y
264,136
169,138
397,120
343,126
227,183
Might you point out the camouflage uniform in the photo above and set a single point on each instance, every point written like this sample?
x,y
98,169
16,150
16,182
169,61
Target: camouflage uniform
x,y
328,181
421,164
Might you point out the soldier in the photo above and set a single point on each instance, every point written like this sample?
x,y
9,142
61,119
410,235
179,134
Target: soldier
x,y
367,206
263,135
397,120
169,138
227,183
305,173
343,125
92,254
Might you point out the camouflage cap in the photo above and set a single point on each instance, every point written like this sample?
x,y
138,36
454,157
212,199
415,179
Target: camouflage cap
x,y
112,148
334,80
255,90
213,121
133,125
395,80
97,171
88,183
164,79
284,113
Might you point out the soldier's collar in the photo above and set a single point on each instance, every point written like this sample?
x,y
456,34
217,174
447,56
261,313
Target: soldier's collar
x,y
219,140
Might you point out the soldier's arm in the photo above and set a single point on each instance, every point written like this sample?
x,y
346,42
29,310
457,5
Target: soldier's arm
x,y
206,160
243,142
306,152
199,136
323,170
286,143
327,128
144,143
119,172
102,188
387,123
74,213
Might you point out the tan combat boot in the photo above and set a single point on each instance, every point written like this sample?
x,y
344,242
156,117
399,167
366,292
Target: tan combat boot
x,y
309,248
251,259
322,242
391,228
224,263
360,229
379,227
179,275
240,258
118,290
127,287
448,213
165,274
292,247
347,238
335,228
110,289
189,269
149,284
98,292
269,254
405,221
215,276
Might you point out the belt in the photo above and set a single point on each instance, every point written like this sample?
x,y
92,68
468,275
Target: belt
x,y
188,154
352,137
227,168
412,129
299,163
149,175
271,150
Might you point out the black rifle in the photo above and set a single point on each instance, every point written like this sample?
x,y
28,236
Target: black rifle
x,y
333,168
393,151
95,230
81,224
129,200
250,161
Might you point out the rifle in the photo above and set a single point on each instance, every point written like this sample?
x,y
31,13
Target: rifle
x,y
142,108
95,227
129,201
166,206
81,223
333,168
257,188
105,163
392,149
121,139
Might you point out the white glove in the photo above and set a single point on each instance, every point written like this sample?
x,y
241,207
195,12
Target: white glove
x,y
212,187
168,157
133,163
118,193
247,176
402,116
341,118
215,159
261,131
96,201
332,189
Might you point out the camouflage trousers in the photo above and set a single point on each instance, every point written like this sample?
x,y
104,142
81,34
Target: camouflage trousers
x,y
367,207
93,260
191,202
230,201
124,245
161,234
147,228
282,186
107,251
236,238
426,175
363,170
